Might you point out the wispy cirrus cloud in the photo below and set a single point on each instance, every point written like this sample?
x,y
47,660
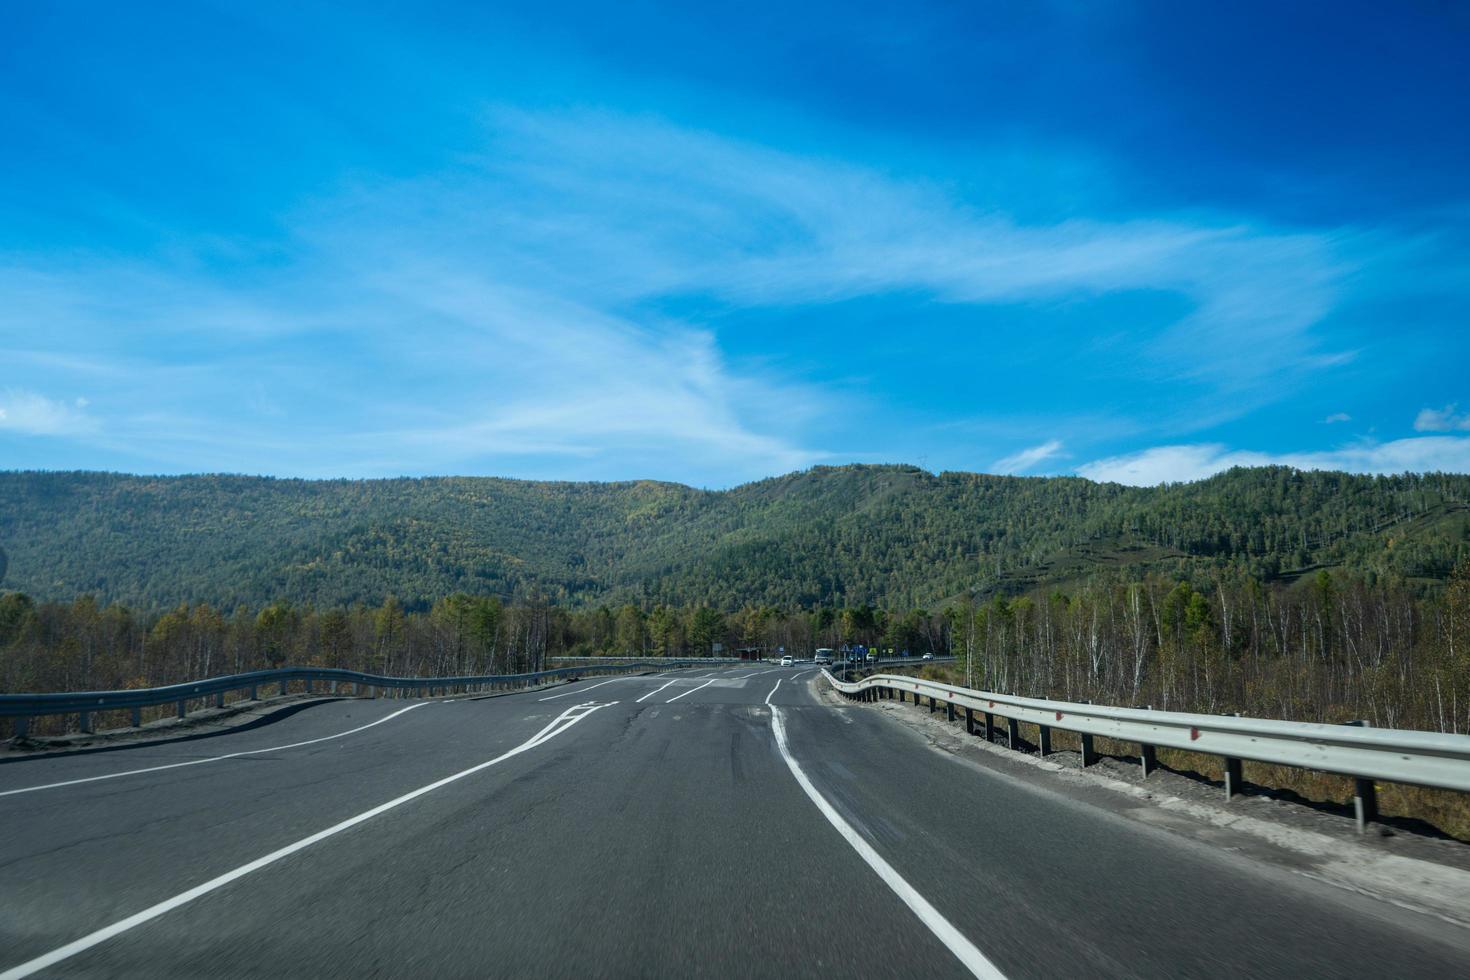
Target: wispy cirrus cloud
x,y
760,226
1028,458
431,366
495,313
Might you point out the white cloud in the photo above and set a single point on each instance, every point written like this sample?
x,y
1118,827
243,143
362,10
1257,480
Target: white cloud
x,y
1441,420
1336,417
32,414
1176,464
432,366
615,385
1027,458
760,226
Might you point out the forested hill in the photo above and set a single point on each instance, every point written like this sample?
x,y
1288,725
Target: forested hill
x,y
890,536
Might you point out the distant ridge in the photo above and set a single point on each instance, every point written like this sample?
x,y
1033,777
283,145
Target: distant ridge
x,y
893,536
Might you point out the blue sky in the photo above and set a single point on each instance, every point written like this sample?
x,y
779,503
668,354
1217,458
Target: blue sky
x,y
1137,242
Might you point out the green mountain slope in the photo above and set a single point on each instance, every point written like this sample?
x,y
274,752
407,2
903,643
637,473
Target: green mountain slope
x,y
886,535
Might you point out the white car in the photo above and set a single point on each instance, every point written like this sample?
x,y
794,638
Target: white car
x,y
927,656
787,661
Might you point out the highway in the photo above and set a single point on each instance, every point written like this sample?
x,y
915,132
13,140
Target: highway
x,y
725,822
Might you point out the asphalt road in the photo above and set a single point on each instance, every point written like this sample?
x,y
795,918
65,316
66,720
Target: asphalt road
x,y
643,826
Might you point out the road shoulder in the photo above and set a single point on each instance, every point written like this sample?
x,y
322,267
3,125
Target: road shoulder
x,y
1423,874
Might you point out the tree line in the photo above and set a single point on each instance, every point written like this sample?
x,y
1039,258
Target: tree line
x,y
1331,647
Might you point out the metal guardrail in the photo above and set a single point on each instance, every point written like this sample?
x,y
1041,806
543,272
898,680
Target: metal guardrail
x,y
1356,750
23,707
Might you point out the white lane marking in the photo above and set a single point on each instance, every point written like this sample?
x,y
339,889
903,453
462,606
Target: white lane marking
x,y
690,691
773,690
943,929
652,693
565,720
216,758
580,689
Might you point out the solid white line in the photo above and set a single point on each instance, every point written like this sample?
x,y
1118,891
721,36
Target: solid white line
x,y
652,693
216,758
773,690
943,930
579,689
690,691
152,912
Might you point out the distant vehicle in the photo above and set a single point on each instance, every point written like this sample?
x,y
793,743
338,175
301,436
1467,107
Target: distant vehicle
x,y
872,656
787,661
927,656
823,656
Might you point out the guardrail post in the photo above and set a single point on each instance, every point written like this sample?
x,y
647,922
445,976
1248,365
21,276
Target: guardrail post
x,y
84,723
254,693
1365,803
1013,733
949,710
1234,781
284,685
1089,754
989,726
1043,740
137,717
932,704
183,706
1365,794
219,699
1148,755
969,721
308,685
22,726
